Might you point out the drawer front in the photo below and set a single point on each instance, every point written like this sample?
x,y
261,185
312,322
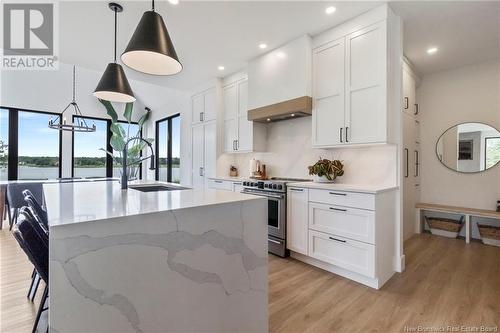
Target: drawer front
x,y
217,184
357,224
340,198
348,254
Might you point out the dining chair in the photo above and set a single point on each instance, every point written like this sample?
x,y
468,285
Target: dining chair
x,y
15,198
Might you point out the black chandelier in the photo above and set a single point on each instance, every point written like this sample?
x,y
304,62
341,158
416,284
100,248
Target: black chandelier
x,y
78,125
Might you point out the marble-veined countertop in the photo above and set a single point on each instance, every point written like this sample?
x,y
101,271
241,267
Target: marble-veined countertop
x,y
69,203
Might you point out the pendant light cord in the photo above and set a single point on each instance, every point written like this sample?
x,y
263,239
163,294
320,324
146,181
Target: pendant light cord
x,y
115,10
153,5
74,84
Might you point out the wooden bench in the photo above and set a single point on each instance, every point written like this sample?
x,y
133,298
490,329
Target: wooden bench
x,y
467,212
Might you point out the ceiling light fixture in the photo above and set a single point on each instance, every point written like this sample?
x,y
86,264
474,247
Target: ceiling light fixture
x,y
330,10
150,49
262,46
432,50
114,86
221,68
59,123
174,2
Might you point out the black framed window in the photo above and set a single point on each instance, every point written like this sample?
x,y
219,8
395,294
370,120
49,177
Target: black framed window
x,y
30,149
168,149
88,158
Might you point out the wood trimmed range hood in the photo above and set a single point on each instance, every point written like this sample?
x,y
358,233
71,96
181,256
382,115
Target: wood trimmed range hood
x,y
293,108
279,83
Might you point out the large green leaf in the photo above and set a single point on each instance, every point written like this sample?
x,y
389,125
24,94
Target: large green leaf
x,y
117,142
129,107
117,129
110,110
144,118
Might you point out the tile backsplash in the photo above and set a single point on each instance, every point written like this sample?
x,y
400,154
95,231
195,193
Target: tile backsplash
x,y
289,153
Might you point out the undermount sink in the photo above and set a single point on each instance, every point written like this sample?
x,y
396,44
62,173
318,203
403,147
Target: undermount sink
x,y
156,188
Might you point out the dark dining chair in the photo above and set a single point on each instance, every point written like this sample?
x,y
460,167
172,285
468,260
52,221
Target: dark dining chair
x,y
34,242
15,198
38,211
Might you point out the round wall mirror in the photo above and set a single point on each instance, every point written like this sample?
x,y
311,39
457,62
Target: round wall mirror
x,y
469,147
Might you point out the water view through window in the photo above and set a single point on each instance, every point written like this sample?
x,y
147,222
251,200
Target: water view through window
x,y
168,144
88,158
4,143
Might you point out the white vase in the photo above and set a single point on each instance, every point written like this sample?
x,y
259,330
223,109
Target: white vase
x,y
322,179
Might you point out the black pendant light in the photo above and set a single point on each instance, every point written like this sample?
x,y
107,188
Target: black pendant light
x,y
150,49
114,86
78,125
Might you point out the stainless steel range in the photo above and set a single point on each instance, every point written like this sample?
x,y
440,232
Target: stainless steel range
x,y
275,190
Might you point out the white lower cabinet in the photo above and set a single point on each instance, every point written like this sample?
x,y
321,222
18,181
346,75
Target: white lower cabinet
x,y
348,233
346,253
357,224
225,185
297,201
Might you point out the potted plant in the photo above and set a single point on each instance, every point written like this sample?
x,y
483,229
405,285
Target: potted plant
x,y
325,171
120,135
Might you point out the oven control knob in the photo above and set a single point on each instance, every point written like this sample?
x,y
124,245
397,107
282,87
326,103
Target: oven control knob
x,y
266,185
280,187
274,186
253,184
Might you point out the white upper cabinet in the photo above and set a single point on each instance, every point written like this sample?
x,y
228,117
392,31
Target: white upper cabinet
x,y
204,106
329,85
240,134
281,74
351,69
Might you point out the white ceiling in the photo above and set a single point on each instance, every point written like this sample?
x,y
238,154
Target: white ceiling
x,y
206,34
465,32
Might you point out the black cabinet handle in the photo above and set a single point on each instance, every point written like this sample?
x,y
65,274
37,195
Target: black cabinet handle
x,y
218,181
335,193
407,102
407,172
337,240
338,209
346,135
416,109
341,135
297,189
416,164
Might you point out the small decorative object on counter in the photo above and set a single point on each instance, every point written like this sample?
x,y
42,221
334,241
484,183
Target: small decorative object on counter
x,y
445,227
254,166
233,171
325,171
490,234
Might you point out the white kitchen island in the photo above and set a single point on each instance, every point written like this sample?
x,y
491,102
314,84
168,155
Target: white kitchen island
x,y
169,261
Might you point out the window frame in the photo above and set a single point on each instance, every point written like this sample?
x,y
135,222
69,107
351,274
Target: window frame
x,y
109,159
13,147
169,146
486,147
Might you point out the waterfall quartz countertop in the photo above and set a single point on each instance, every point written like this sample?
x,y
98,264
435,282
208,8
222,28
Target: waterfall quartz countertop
x,y
77,202
373,189
169,261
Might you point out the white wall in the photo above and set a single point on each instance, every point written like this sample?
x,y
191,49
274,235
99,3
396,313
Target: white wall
x,y
51,91
289,153
466,94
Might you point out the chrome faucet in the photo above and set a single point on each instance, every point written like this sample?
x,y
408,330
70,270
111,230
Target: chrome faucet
x,y
124,161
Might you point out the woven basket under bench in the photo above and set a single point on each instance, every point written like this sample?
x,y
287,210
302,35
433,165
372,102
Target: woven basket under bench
x,y
489,234
444,227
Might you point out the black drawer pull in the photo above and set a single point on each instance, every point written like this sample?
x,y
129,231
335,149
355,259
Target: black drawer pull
x,y
338,209
337,240
296,189
218,181
335,193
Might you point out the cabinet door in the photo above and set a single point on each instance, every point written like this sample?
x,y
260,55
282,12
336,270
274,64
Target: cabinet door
x,y
230,135
198,149
237,187
297,215
230,94
366,100
210,111
218,184
210,149
328,94
245,127
197,108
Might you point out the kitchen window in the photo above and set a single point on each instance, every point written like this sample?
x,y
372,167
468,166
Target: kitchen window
x,y
29,149
168,149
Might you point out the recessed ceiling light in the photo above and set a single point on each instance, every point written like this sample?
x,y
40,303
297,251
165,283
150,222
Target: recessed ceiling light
x,y
262,46
268,119
174,2
432,50
293,114
280,55
221,68
330,10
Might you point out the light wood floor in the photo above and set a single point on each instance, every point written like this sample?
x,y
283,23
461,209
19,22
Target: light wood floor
x,y
445,283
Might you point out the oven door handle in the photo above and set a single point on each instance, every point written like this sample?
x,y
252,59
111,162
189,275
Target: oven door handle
x,y
274,241
263,194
